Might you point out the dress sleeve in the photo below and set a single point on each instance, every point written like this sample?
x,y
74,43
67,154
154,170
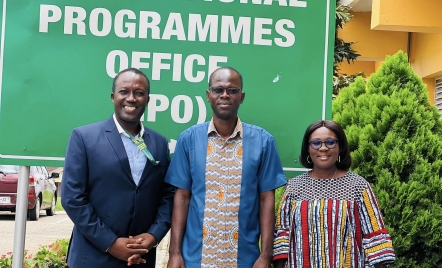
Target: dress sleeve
x,y
376,240
283,221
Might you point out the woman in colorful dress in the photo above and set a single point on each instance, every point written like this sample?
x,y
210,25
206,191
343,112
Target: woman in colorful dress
x,y
329,217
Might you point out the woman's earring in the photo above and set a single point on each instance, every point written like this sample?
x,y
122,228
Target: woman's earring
x,y
339,159
310,159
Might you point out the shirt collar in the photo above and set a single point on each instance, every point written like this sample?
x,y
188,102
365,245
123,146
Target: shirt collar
x,y
236,131
121,130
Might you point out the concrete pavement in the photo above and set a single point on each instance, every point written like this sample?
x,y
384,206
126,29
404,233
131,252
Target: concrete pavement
x,y
163,252
45,231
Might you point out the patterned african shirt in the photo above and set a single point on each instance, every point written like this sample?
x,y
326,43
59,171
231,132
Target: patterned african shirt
x,y
331,223
223,187
225,178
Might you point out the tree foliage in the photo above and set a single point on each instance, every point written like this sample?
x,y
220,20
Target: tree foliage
x,y
395,138
342,51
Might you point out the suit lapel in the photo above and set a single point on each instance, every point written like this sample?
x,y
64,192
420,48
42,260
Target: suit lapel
x,y
115,140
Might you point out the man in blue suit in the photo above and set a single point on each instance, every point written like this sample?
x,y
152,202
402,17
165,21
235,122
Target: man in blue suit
x,y
113,184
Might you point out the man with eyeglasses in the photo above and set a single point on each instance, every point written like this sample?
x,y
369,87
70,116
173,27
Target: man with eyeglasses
x,y
225,172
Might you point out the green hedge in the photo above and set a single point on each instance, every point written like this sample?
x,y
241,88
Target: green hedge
x,y
395,138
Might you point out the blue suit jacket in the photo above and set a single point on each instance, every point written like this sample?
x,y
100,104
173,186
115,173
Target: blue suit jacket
x,y
102,199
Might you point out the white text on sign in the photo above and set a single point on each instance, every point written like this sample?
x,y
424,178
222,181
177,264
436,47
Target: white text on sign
x,y
164,62
160,103
213,28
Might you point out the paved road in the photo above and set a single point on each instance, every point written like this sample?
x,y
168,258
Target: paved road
x,y
47,230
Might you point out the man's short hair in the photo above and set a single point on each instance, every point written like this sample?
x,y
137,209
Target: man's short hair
x,y
225,68
132,70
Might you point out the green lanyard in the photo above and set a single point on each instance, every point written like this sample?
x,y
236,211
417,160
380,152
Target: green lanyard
x,y
142,146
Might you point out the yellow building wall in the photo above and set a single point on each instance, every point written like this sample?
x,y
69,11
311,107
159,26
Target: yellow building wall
x,y
426,54
407,15
431,85
425,48
367,67
372,45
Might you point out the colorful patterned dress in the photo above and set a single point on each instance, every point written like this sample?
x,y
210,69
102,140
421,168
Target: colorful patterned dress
x,y
331,223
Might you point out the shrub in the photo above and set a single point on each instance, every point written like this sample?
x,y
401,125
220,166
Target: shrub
x,y
278,195
6,260
395,139
52,256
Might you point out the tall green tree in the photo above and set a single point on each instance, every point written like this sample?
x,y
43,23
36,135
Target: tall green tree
x,y
395,138
343,51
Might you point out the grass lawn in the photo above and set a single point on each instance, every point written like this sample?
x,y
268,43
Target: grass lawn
x,y
58,206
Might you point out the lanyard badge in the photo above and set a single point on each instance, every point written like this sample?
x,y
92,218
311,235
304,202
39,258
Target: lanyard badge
x,y
142,147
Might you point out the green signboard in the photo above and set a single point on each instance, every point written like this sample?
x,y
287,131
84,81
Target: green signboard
x,y
58,59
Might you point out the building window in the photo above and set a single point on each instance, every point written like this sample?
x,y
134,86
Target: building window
x,y
438,95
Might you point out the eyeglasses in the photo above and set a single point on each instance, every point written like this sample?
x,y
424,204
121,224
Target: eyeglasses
x,y
220,90
317,144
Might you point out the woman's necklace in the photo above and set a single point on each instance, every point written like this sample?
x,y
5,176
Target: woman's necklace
x,y
321,183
